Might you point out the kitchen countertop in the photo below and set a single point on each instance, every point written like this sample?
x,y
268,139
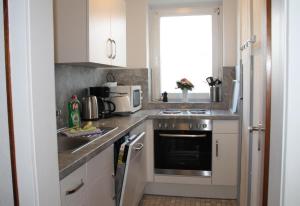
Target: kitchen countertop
x,y
68,162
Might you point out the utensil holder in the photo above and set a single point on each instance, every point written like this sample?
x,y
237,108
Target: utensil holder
x,y
216,93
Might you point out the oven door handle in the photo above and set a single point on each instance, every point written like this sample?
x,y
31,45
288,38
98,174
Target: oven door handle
x,y
183,135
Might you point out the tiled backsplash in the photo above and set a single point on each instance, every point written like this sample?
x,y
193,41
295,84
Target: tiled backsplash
x,y
70,79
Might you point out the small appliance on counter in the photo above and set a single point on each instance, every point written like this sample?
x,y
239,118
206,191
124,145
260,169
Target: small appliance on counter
x,y
89,109
105,106
127,99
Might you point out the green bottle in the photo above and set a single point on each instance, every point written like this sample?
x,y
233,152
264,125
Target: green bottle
x,y
74,113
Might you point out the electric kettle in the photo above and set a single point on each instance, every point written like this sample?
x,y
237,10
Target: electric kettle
x,y
89,108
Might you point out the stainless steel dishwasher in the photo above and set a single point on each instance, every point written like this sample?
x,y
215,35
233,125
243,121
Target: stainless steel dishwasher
x,y
130,171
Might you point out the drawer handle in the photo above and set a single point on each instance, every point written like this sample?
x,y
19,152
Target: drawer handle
x,y
217,148
70,192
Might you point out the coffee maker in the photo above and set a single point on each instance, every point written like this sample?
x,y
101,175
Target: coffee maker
x,y
105,106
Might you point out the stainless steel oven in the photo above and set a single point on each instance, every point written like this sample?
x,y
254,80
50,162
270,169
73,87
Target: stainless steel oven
x,y
183,147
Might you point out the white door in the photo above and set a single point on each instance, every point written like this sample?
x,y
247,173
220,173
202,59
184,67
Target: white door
x,y
254,89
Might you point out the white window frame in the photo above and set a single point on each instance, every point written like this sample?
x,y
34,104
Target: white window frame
x,y
154,43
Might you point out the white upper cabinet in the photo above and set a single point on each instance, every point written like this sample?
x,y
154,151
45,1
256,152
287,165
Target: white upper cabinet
x,y
118,32
100,48
90,31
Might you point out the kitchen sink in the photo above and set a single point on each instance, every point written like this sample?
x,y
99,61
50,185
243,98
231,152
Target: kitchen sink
x,y
74,144
70,143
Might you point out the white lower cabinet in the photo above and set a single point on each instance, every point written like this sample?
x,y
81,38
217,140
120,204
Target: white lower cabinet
x,y
73,188
92,184
225,154
100,179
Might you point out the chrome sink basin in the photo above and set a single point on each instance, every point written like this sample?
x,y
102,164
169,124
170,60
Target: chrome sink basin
x,y
74,144
70,143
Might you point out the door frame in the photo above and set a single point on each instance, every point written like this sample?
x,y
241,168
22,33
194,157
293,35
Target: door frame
x,y
9,104
268,104
31,50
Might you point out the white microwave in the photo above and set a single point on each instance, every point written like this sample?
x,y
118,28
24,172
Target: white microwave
x,y
127,99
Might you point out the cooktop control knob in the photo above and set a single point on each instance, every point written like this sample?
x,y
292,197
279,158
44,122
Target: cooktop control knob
x,y
173,125
166,125
191,126
204,125
159,125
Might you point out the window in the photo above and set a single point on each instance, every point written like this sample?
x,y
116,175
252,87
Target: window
x,y
184,46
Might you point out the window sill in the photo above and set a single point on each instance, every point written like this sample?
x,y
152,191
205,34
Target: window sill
x,y
177,101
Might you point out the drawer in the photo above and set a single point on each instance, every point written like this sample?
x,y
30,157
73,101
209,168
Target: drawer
x,y
72,188
225,126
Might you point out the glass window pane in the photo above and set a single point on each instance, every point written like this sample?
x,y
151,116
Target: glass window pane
x,y
186,51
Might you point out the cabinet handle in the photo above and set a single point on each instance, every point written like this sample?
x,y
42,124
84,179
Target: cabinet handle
x,y
109,48
217,148
75,189
115,49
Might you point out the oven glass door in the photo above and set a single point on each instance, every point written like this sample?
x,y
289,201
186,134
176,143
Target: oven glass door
x,y
183,152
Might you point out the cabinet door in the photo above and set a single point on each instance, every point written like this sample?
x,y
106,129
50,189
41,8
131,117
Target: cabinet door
x,y
118,32
225,159
100,47
100,182
73,188
70,31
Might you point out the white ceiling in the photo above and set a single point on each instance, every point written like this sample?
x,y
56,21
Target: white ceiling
x,y
164,2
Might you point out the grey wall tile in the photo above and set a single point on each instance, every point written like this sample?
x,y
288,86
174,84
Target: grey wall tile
x,y
74,79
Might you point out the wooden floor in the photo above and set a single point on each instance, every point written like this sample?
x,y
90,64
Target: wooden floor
x,y
152,200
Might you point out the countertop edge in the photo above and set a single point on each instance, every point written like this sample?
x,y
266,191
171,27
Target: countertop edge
x,y
64,172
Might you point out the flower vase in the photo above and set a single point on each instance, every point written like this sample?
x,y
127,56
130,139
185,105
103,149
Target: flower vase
x,y
185,95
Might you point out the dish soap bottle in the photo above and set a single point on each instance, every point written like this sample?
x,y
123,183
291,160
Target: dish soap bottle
x,y
74,113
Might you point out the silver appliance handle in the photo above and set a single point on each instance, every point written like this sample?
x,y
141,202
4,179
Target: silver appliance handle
x,y
136,139
139,147
183,135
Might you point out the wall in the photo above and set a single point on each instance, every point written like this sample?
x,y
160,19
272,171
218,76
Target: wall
x,y
228,75
291,179
71,79
137,33
230,32
32,67
74,79
278,104
6,190
284,181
